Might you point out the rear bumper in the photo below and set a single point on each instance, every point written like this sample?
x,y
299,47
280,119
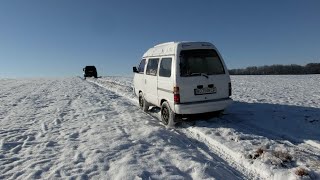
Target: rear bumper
x,y
202,107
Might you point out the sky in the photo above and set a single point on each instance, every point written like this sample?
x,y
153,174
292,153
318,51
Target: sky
x,y
42,38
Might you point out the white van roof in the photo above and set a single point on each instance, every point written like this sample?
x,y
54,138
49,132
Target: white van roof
x,y
169,48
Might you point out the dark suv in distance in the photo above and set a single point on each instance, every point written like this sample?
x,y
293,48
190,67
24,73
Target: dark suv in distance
x,y
90,71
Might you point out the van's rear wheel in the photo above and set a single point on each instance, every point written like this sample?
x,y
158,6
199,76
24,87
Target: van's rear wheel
x,y
143,103
167,115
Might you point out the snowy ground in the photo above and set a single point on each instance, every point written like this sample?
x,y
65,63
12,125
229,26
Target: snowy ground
x,y
71,128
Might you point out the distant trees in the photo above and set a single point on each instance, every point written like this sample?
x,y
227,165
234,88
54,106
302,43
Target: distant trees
x,y
278,69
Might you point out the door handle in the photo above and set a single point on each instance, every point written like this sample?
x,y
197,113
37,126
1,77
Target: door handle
x,y
145,81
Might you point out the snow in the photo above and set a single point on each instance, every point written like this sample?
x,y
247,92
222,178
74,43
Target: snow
x,y
66,128
71,128
298,90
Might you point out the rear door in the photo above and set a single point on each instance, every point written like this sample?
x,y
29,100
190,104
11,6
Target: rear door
x,y
165,82
151,81
203,76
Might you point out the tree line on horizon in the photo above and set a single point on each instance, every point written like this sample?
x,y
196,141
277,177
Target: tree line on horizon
x,y
278,69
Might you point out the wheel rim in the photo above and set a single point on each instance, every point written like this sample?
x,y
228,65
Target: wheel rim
x,y
165,115
140,101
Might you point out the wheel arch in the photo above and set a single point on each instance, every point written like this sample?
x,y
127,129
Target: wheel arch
x,y
162,101
171,105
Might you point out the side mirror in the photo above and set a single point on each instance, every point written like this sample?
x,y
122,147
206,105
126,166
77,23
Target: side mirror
x,y
135,69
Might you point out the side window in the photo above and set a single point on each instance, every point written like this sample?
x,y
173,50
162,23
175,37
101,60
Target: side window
x,y
152,67
141,66
165,67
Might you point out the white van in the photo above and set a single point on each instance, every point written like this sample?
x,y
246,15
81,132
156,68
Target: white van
x,y
182,78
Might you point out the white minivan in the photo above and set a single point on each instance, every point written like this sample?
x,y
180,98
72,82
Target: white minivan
x,y
182,78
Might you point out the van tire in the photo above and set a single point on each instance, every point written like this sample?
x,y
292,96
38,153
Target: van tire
x,y
167,115
143,104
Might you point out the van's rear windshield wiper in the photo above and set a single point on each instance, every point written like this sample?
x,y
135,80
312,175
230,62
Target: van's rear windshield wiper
x,y
199,74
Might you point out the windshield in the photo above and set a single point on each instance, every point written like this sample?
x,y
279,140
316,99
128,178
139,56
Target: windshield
x,y
90,68
200,62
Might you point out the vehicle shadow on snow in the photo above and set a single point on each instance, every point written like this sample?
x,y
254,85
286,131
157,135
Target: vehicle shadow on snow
x,y
274,121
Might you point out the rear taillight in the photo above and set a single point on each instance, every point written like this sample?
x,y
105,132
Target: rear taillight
x,y
176,98
176,95
230,89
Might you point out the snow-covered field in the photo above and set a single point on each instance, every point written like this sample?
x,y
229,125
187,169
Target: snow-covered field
x,y
69,128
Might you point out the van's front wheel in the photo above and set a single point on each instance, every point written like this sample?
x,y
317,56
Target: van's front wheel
x,y
143,103
167,115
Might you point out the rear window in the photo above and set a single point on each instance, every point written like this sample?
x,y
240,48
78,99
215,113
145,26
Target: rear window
x,y
90,67
200,61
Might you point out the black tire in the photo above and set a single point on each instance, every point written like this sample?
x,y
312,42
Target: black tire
x,y
144,106
167,115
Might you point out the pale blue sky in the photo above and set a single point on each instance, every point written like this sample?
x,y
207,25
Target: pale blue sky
x,y
40,38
